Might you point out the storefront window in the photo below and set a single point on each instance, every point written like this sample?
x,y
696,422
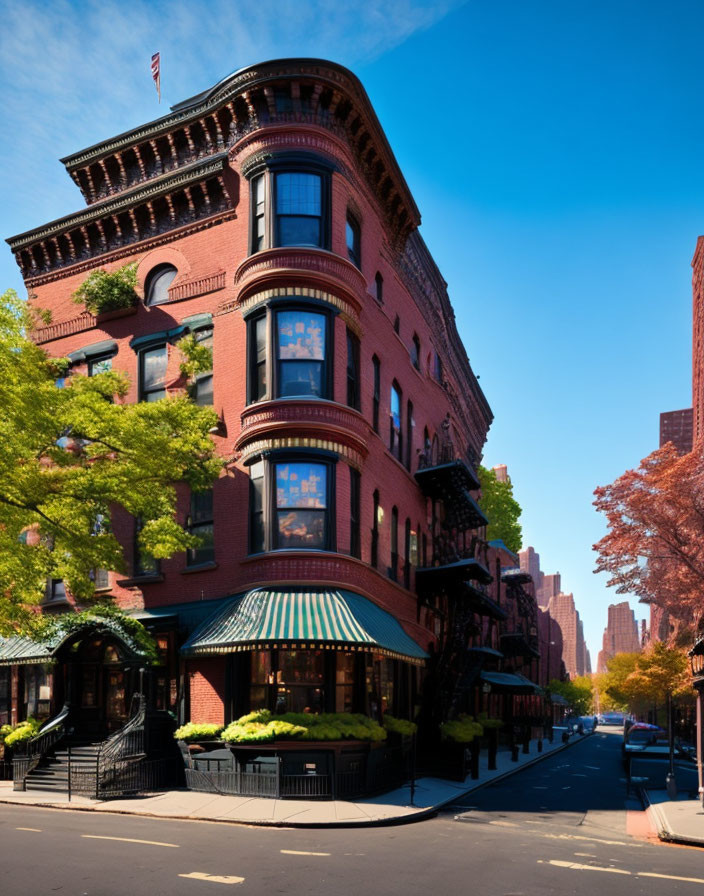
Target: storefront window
x,y
4,695
300,681
260,677
344,682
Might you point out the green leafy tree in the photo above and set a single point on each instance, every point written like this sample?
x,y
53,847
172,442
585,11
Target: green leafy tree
x,y
501,509
579,693
71,457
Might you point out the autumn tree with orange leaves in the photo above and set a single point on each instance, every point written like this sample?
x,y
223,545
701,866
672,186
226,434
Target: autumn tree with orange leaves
x,y
654,548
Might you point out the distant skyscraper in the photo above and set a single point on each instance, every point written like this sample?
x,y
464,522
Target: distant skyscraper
x,y
574,653
676,427
529,560
501,471
620,634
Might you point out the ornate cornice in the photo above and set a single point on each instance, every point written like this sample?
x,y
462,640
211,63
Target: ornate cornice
x,y
129,250
160,187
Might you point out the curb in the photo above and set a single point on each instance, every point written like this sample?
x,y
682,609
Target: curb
x,y
420,815
662,828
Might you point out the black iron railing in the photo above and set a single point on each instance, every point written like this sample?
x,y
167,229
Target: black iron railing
x,y
38,747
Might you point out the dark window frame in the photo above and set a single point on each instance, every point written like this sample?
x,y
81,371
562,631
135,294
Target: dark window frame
x,y
376,395
355,504
142,355
407,554
272,364
415,351
374,553
410,426
379,284
269,510
139,568
393,568
200,521
353,390
268,236
152,278
353,239
396,433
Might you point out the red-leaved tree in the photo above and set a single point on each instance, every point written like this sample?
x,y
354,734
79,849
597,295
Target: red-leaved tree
x,y
654,548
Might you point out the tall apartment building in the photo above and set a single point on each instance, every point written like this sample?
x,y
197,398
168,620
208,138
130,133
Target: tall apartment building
x,y
343,545
574,653
676,427
620,634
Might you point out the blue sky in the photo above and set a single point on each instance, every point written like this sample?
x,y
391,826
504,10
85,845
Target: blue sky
x,y
553,149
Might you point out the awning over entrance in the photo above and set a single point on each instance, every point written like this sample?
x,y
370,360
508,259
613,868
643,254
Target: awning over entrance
x,y
320,618
508,683
19,651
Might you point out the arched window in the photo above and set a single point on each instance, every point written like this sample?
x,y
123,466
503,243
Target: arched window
x,y
156,287
379,284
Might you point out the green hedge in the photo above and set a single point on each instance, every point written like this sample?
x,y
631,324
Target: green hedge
x,y
399,726
198,731
262,727
21,732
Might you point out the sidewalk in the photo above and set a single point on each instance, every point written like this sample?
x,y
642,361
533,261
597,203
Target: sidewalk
x,y
676,821
389,808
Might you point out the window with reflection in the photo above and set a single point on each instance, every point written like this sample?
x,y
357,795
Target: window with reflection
x,y
291,505
152,373
99,364
395,436
353,237
156,287
352,370
298,339
344,682
301,505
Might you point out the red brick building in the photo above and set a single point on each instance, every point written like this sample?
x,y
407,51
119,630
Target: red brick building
x,y
343,553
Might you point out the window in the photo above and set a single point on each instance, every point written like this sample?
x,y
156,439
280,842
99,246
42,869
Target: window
x,y
200,524
298,338
397,324
352,233
344,682
437,367
393,569
289,203
415,352
145,564
156,287
379,286
56,590
376,365
355,547
395,437
299,494
99,364
374,559
352,370
300,352
152,373
407,555
298,209
201,390
410,426
293,680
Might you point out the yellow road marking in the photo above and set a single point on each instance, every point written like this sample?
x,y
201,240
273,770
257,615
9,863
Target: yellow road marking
x,y
298,852
131,840
591,840
691,880
214,878
575,866
504,824
35,830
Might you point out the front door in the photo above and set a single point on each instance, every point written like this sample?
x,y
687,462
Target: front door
x,y
115,698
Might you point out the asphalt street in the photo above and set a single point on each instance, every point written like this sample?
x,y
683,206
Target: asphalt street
x,y
565,825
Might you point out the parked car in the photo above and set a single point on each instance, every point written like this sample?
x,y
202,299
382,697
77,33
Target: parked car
x,y
612,718
653,741
587,723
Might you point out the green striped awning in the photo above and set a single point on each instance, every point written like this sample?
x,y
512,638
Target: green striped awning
x,y
319,618
18,651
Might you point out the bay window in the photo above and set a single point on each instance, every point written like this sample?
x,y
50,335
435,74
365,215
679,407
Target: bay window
x,y
289,197
291,505
296,339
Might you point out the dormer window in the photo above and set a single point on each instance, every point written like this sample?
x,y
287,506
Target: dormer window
x,y
156,287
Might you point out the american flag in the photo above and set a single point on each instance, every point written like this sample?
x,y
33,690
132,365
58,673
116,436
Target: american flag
x,y
156,73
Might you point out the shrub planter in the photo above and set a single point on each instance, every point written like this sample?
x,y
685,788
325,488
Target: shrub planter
x,y
106,316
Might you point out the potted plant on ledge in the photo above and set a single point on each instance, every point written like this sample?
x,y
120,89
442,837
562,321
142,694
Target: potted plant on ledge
x,y
109,294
